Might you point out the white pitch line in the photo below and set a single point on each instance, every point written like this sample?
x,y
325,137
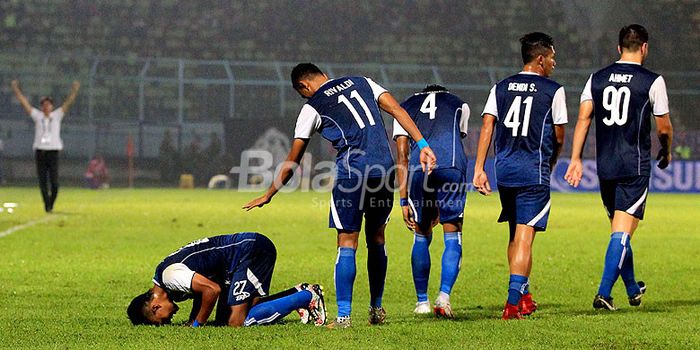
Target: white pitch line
x,y
14,229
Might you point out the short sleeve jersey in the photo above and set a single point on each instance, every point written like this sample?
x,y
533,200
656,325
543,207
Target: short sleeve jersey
x,y
47,131
526,106
345,112
212,257
442,119
624,96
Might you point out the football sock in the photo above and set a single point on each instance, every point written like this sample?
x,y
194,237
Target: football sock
x,y
271,311
376,272
344,279
627,271
451,261
613,261
278,295
516,286
420,265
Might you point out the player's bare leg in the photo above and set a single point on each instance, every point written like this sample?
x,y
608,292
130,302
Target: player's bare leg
x,y
520,263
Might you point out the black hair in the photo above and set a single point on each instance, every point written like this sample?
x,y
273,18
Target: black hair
x,y
139,307
45,98
535,44
302,71
632,37
434,87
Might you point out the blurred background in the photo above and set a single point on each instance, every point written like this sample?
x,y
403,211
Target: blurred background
x,y
186,86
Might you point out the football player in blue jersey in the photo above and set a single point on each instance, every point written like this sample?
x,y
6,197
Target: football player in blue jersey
x,y
234,269
346,112
442,118
528,111
621,98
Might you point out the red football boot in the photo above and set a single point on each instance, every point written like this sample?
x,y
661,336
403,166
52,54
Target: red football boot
x,y
511,312
527,305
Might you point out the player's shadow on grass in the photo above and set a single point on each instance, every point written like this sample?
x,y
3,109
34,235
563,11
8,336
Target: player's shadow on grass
x,y
646,307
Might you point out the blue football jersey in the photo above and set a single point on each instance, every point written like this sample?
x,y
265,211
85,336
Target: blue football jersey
x,y
527,106
624,96
212,257
345,112
442,119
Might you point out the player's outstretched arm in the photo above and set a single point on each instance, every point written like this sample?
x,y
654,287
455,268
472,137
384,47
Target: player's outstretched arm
x,y
664,131
75,87
20,97
391,106
286,172
481,180
402,152
574,172
209,292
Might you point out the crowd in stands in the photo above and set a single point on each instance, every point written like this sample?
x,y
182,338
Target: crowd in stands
x,y
440,32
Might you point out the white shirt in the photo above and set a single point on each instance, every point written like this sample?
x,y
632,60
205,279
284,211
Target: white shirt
x,y
658,97
177,277
47,131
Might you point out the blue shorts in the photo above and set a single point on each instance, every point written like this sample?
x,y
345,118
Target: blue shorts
x,y
252,271
351,198
527,205
443,193
627,194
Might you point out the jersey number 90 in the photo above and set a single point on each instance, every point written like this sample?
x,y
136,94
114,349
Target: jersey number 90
x,y
612,99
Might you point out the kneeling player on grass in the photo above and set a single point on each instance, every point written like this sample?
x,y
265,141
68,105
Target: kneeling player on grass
x,y
236,269
529,113
442,119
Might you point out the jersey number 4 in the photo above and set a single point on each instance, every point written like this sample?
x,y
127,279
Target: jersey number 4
x,y
512,120
428,107
355,95
612,99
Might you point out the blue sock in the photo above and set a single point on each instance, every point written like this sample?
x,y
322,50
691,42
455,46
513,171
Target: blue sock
x,y
516,287
271,311
420,264
376,272
451,261
344,280
627,271
613,262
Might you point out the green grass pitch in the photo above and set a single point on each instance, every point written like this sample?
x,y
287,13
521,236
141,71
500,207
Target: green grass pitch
x,y
65,282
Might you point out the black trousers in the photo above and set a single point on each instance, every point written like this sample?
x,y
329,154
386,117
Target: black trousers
x,y
47,171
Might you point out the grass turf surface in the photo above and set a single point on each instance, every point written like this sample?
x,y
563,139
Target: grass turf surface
x,y
66,282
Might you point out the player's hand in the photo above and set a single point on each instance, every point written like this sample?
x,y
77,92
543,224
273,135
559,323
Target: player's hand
x,y
408,218
574,172
481,182
664,157
15,83
427,160
257,203
76,85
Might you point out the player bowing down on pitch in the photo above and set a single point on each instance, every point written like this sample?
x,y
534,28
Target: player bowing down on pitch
x,y
529,113
346,112
234,269
621,98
